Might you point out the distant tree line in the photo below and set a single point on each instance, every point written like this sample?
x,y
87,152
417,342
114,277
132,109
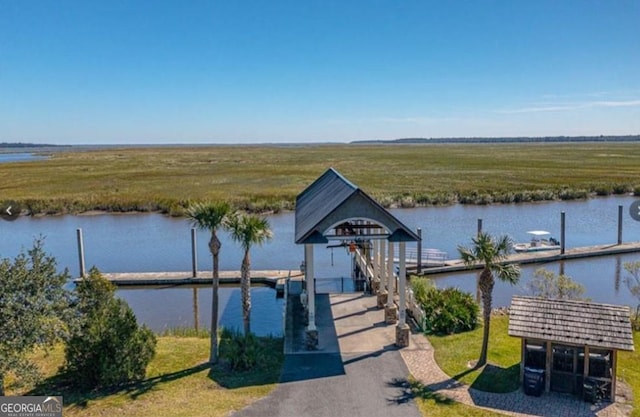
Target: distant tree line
x,y
9,145
526,139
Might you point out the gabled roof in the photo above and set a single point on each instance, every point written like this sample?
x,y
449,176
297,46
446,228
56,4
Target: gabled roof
x,y
331,199
573,322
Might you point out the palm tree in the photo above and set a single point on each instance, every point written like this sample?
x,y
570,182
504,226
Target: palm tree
x,y
211,216
490,252
248,230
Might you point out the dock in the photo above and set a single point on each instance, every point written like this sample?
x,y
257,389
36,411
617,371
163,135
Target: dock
x,y
274,278
456,265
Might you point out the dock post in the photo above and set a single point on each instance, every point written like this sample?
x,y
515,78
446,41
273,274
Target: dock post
x,y
83,271
419,254
194,254
619,225
479,226
562,232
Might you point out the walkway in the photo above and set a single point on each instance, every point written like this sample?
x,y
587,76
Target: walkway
x,y
356,371
422,365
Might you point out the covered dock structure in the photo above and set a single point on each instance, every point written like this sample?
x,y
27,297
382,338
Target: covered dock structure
x,y
334,209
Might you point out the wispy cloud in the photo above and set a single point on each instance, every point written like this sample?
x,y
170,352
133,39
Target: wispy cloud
x,y
571,106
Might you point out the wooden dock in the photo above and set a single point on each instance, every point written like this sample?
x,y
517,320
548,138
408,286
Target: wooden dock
x,y
274,279
456,265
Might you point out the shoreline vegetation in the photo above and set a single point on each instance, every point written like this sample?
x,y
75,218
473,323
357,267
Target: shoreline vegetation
x,y
267,178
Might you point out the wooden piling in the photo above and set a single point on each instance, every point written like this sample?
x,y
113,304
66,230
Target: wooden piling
x,y
419,254
619,225
562,232
194,254
479,226
83,271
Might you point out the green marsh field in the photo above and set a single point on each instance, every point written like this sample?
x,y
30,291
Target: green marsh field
x,y
268,177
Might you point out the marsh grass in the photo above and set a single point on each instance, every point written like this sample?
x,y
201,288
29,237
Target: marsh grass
x,y
268,178
179,382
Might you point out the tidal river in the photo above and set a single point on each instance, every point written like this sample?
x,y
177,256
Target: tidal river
x,y
152,242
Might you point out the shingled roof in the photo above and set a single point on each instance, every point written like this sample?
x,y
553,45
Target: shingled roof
x,y
572,322
332,198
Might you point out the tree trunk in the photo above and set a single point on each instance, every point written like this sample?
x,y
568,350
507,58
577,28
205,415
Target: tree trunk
x,y
214,247
246,292
486,288
1,385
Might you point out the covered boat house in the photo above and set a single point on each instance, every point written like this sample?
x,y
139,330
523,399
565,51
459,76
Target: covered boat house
x,y
571,345
334,209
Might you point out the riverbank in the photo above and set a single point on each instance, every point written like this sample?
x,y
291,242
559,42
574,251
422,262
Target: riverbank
x,y
265,178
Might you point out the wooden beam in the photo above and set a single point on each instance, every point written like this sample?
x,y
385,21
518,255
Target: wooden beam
x,y
547,376
614,365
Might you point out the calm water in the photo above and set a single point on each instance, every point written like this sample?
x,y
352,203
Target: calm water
x,y
151,242
19,157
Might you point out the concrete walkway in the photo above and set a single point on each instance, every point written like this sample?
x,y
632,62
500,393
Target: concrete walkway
x,y
357,371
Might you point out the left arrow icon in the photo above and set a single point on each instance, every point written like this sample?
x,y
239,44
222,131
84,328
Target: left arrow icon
x,y
10,210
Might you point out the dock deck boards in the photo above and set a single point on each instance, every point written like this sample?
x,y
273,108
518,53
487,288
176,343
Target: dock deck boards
x,y
270,278
456,265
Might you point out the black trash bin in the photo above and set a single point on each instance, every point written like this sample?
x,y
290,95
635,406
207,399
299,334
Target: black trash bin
x,y
591,391
533,383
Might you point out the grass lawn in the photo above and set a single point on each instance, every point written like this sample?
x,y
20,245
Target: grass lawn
x,y
269,177
454,353
629,372
178,383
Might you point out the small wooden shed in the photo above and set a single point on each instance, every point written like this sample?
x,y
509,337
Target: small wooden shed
x,y
571,341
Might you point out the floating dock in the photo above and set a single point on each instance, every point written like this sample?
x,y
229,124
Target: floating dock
x,y
456,265
275,279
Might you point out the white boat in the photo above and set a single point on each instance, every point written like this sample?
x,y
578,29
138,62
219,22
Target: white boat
x,y
540,241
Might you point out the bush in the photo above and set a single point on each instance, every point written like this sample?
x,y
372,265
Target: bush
x,y
106,347
448,310
241,352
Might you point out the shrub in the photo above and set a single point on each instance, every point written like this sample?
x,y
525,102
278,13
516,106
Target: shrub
x,y
106,347
241,352
448,310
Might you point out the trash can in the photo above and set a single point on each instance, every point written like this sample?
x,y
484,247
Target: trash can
x,y
590,391
533,381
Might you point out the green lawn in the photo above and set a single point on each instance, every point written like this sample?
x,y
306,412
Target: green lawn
x,y
269,177
178,383
456,353
432,404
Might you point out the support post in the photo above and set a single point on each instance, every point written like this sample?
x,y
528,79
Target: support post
x,y
547,368
311,336
390,311
194,254
419,254
83,271
614,375
196,310
402,330
562,232
619,225
382,293
479,226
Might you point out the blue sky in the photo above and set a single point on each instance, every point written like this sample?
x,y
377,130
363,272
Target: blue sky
x,y
126,71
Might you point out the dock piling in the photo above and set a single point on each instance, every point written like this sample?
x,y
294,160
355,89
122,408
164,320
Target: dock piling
x,y
194,253
562,232
419,254
619,225
81,253
479,226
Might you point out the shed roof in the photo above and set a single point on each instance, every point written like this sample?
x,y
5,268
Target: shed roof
x,y
331,199
572,322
